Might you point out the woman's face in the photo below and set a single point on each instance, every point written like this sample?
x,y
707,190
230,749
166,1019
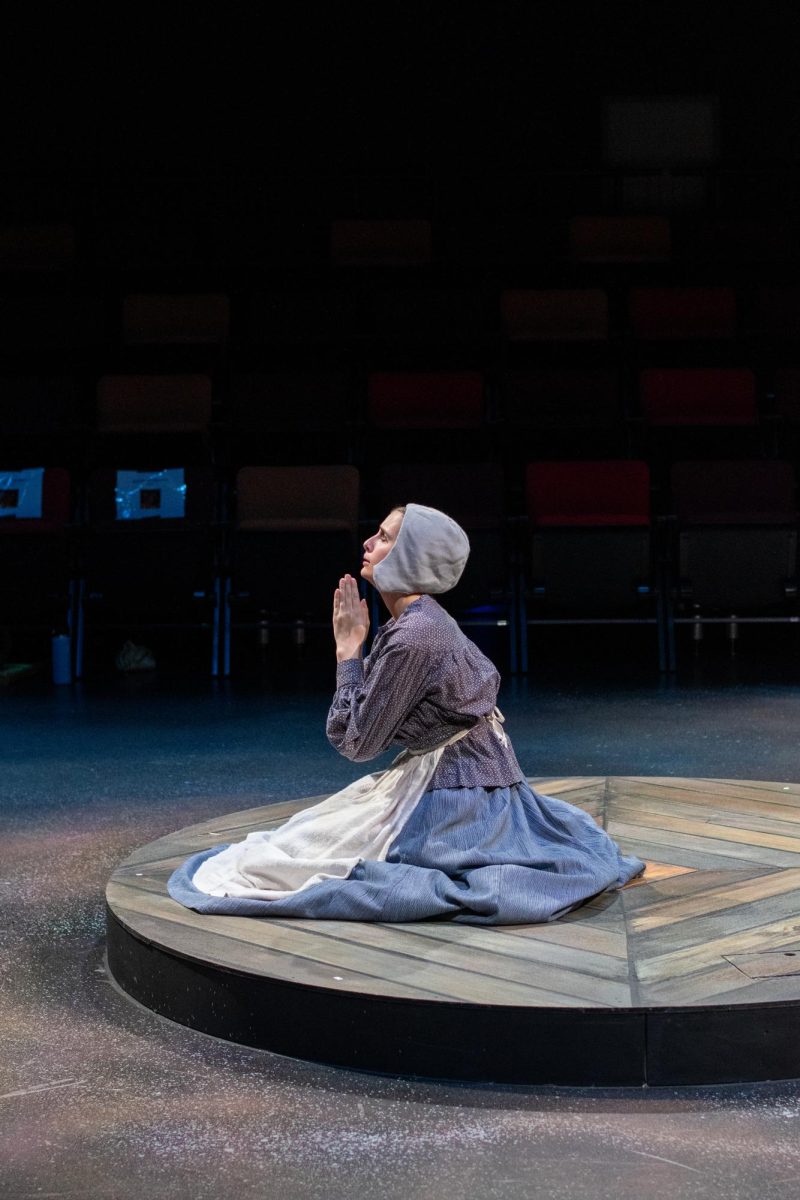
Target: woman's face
x,y
378,546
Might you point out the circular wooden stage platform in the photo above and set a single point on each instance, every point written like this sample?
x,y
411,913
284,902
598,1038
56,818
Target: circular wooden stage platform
x,y
689,976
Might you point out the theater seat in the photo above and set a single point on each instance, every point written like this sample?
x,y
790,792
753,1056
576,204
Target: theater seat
x,y
44,419
137,413
149,554
381,243
555,315
700,412
36,557
287,416
429,415
186,319
735,552
37,248
293,534
682,313
556,411
589,556
619,239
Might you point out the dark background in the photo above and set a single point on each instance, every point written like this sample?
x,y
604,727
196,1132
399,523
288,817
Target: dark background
x,y
210,151
439,90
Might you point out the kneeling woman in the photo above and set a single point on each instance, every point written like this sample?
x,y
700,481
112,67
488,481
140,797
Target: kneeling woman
x,y
451,829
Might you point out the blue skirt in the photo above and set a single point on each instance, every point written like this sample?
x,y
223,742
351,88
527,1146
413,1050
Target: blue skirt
x,y
479,856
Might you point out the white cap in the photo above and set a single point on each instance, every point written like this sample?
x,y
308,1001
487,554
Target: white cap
x,y
428,556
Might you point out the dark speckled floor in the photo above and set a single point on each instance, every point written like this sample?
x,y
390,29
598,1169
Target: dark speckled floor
x,y
99,1098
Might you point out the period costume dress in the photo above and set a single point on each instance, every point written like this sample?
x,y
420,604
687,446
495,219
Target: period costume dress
x,y
452,829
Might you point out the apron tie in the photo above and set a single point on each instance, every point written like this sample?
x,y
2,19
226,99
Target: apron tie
x,y
497,720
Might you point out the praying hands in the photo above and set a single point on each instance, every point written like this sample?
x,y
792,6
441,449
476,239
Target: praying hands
x,y
350,619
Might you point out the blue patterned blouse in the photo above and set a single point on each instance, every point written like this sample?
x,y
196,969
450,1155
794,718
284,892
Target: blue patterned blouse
x,y
423,681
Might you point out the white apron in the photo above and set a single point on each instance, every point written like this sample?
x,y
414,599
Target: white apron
x,y
327,841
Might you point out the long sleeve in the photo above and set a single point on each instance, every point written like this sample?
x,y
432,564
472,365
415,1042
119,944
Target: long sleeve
x,y
373,698
423,681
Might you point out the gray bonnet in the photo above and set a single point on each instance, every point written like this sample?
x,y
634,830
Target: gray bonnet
x,y
428,556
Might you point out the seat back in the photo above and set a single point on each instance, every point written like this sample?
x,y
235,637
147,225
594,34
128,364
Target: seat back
x,y
601,493
698,396
175,319
472,493
381,243
618,239
663,314
590,546
760,492
295,534
35,545
737,544
150,542
33,248
34,501
157,498
43,419
297,499
153,404
555,315
425,400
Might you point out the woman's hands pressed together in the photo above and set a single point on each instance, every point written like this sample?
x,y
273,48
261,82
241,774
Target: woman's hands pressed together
x,y
350,619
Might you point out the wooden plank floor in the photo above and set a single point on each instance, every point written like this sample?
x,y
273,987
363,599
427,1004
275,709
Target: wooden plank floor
x,y
715,920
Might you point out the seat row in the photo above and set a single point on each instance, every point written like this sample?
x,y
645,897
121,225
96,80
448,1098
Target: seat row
x,y
509,411
351,315
168,547
603,239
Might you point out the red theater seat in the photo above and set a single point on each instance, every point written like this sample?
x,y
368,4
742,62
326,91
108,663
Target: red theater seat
x,y
683,313
735,555
759,492
425,400
613,492
698,396
589,557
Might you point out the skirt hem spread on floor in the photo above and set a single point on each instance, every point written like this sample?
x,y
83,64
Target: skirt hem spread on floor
x,y
482,856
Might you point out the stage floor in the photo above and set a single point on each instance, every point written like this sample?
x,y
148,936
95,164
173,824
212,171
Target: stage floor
x,y
690,975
